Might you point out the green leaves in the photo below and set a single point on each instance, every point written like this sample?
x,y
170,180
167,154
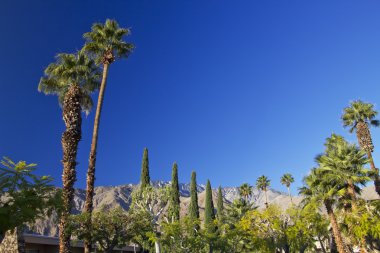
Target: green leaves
x,y
359,111
105,42
287,179
263,183
24,196
109,229
71,69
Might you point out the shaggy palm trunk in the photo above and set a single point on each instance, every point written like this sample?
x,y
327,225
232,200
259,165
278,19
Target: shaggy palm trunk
x,y
365,142
342,248
92,161
70,140
266,198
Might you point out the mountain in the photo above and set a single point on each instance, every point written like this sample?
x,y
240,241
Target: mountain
x,y
119,196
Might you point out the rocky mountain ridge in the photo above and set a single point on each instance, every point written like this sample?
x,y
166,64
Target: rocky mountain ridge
x,y
119,196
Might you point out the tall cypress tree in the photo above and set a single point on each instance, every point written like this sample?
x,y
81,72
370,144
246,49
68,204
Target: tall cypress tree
x,y
174,203
145,178
219,204
193,207
209,208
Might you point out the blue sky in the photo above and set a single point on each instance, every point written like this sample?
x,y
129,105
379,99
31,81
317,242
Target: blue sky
x,y
231,89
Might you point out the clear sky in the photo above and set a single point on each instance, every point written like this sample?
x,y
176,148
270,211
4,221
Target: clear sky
x,y
231,89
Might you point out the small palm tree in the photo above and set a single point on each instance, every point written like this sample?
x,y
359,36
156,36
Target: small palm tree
x,y
287,179
245,191
73,78
358,117
318,189
105,44
263,184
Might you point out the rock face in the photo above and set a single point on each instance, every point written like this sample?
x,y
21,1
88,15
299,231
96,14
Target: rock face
x,y
109,197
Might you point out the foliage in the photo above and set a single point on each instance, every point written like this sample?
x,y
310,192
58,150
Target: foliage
x,y
145,178
180,236
24,196
71,69
220,206
193,208
287,179
105,42
359,111
174,202
245,191
209,209
110,228
150,203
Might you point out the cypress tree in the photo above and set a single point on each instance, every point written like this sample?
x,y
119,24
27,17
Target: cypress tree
x,y
174,204
145,178
219,204
209,208
193,207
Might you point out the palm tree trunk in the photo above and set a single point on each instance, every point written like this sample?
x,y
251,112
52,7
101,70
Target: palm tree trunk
x,y
365,142
70,140
376,177
342,248
351,192
290,195
266,198
92,160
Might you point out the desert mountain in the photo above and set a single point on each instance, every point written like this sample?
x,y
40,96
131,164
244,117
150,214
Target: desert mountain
x,y
119,196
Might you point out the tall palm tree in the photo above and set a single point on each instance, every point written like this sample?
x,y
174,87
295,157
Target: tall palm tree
x,y
105,44
245,190
73,78
263,184
287,179
318,189
358,117
343,164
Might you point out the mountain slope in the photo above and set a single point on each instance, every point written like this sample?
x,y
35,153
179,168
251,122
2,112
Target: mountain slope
x,y
110,197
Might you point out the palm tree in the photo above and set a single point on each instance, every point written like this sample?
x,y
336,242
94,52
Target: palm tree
x,y
359,116
343,164
105,44
73,78
245,190
263,183
287,179
318,189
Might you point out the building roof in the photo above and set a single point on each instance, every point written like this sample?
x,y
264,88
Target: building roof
x,y
49,240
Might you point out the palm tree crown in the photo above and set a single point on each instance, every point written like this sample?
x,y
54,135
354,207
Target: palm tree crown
x,y
343,164
263,183
105,42
71,69
287,179
343,157
245,190
359,111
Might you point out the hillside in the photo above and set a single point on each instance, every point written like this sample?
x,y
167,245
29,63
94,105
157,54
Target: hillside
x,y
119,196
